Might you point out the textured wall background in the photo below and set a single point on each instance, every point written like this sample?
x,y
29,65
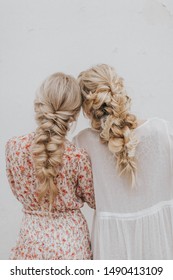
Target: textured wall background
x,y
39,37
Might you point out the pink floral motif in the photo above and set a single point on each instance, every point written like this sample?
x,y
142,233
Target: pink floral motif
x,y
63,233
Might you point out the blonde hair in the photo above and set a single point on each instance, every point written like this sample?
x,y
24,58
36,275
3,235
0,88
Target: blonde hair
x,y
106,103
57,103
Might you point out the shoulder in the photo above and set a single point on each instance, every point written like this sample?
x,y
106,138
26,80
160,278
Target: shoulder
x,y
159,124
84,132
20,141
157,128
84,137
73,151
153,124
159,120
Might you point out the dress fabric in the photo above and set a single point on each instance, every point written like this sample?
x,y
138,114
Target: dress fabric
x,y
133,223
63,232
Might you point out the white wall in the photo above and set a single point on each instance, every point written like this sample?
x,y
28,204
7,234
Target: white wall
x,y
39,37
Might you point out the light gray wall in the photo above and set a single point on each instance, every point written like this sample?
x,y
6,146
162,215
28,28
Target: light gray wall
x,y
39,37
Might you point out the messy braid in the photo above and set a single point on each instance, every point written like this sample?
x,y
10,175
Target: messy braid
x,y
57,103
106,103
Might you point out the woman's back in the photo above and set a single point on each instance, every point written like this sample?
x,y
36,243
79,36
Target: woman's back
x,y
133,223
61,233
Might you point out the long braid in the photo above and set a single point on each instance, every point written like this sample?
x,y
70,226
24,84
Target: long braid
x,y
56,105
106,103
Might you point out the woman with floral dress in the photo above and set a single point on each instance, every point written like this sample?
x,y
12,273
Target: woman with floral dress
x,y
51,178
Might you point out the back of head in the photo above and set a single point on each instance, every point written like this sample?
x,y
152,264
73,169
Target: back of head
x,y
106,103
57,103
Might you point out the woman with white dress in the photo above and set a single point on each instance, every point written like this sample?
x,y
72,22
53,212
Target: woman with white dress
x,y
132,164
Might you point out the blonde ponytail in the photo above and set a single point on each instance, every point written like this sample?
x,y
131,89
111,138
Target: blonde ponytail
x,y
57,104
106,103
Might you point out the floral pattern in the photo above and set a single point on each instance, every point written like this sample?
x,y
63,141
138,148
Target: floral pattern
x,y
63,233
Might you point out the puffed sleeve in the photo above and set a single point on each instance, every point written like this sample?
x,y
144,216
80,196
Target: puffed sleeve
x,y
85,188
9,165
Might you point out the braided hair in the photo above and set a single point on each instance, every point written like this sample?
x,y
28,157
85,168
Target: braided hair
x,y
107,105
57,103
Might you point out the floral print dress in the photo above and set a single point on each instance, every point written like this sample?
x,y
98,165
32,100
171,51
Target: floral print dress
x,y
63,232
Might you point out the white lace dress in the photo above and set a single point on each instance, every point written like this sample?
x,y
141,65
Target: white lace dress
x,y
133,223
